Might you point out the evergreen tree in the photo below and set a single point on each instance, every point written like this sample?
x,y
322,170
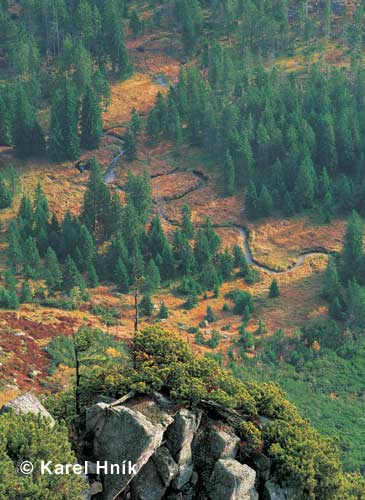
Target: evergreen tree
x,y
114,39
274,291
15,251
26,296
163,312
146,306
187,227
229,174
6,196
27,133
92,276
130,144
63,143
95,212
10,279
71,276
135,124
265,202
251,201
31,258
352,257
135,23
121,276
152,277
53,273
91,120
210,317
331,282
305,185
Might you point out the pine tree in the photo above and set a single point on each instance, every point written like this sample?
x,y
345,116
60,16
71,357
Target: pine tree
x,y
135,123
352,257
91,121
27,134
92,276
130,144
6,196
10,279
15,251
305,186
71,276
331,282
26,296
135,23
274,291
63,141
251,201
152,277
96,207
146,306
114,38
229,174
53,273
187,227
265,202
210,317
31,258
163,312
121,276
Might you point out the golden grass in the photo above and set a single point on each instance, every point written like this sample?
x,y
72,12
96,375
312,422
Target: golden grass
x,y
278,242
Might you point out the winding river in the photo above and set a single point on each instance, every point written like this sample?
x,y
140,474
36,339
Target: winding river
x,y
111,177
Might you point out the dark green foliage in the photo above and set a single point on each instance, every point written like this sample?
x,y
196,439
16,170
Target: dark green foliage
x,y
187,227
130,144
146,306
163,312
91,120
26,295
71,277
63,143
8,299
352,255
6,196
210,317
53,273
96,206
152,279
274,289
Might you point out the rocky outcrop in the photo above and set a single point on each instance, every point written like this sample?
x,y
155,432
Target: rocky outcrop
x,y
27,403
179,453
126,438
231,480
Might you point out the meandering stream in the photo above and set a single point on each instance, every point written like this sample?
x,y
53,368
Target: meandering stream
x,y
110,177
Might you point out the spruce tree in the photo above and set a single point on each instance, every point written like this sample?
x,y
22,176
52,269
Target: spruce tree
x,y
152,277
6,196
63,143
26,296
53,273
121,276
91,120
130,144
210,317
265,202
274,291
187,228
163,312
251,201
352,257
92,277
229,174
71,276
146,306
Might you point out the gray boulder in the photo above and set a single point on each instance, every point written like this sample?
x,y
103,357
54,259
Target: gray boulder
x,y
182,430
166,466
123,435
272,491
222,444
263,465
231,480
28,403
147,485
179,437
